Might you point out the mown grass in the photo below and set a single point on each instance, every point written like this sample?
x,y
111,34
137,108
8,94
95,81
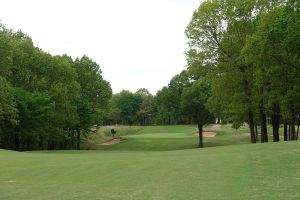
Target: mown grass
x,y
261,171
158,170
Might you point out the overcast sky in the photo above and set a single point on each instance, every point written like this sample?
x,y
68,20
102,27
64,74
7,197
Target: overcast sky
x,y
137,43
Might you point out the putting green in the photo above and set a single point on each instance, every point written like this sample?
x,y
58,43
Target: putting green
x,y
161,135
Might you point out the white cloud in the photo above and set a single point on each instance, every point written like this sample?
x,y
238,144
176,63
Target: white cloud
x,y
137,43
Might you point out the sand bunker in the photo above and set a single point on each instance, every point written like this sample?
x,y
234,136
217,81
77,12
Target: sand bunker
x,y
206,134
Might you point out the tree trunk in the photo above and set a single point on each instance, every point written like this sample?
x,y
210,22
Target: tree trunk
x,y
251,126
41,142
293,123
200,129
293,131
289,131
298,128
263,124
65,145
276,122
256,133
16,142
78,139
51,144
285,132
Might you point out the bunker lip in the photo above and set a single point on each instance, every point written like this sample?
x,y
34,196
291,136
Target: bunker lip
x,y
112,141
208,134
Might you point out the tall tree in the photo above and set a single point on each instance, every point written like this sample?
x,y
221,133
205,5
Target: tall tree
x,y
193,103
94,96
275,61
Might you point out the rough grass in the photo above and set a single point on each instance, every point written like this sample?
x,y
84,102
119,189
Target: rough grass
x,y
122,130
234,172
93,140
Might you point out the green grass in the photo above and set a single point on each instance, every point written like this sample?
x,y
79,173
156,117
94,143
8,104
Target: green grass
x,y
163,138
233,172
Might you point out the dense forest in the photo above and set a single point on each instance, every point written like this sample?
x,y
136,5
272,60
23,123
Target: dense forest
x,y
243,67
46,102
249,52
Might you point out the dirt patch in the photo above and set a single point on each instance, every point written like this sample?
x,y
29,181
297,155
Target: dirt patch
x,y
111,142
206,134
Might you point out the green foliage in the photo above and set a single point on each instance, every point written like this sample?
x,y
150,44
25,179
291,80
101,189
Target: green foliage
x,y
128,104
193,100
8,111
129,108
249,52
46,101
167,101
91,83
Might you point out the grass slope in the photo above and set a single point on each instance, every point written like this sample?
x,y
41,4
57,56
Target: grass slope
x,y
235,172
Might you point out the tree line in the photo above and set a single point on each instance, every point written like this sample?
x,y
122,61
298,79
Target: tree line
x,y
249,52
46,101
